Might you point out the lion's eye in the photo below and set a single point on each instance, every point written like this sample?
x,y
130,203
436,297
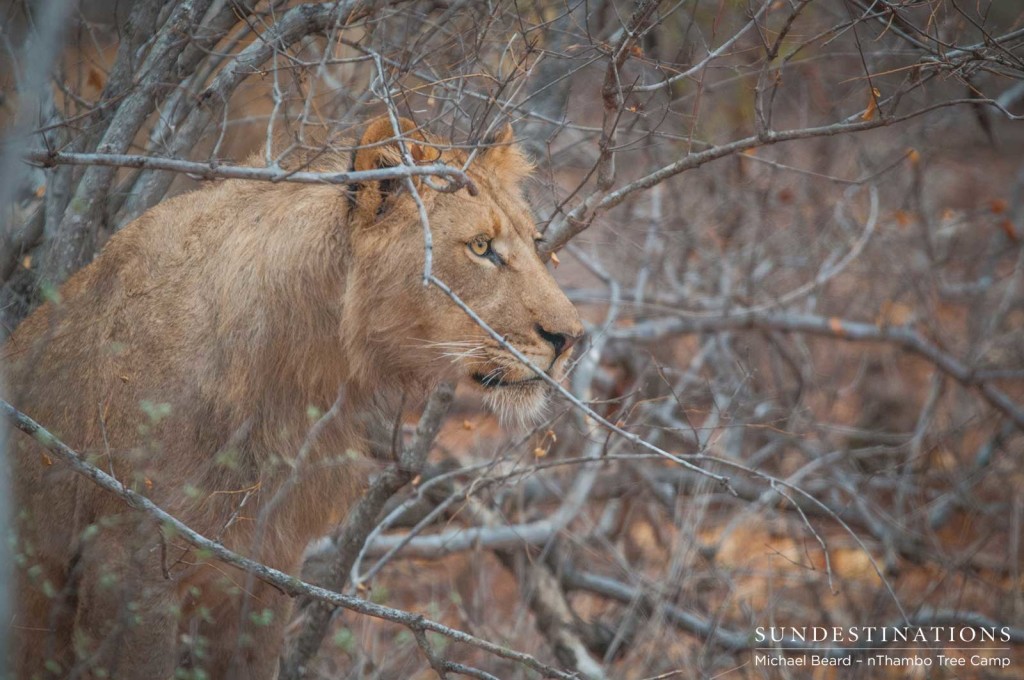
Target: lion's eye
x,y
481,247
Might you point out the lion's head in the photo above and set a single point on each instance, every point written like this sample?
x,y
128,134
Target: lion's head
x,y
485,248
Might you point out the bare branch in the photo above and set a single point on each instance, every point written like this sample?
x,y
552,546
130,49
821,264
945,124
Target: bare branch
x,y
712,632
213,170
564,229
833,327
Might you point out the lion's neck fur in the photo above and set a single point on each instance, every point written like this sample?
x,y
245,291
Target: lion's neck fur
x,y
280,308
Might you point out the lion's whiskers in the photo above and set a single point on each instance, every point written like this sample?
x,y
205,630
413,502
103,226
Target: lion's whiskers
x,y
457,350
471,353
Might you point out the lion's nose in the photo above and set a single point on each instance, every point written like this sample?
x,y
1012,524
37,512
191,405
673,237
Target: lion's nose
x,y
562,342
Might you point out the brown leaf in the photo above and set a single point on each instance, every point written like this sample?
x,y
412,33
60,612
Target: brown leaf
x,y
1010,230
872,109
95,78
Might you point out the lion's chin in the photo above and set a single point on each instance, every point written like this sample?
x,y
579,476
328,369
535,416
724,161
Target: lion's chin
x,y
518,406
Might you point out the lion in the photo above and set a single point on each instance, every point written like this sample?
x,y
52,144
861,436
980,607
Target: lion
x,y
191,359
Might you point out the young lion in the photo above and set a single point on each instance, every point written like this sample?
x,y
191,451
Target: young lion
x,y
190,360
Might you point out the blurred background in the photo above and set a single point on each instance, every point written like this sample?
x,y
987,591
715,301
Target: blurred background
x,y
795,231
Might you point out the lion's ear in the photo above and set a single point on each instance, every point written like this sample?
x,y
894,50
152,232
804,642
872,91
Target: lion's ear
x,y
379,149
503,157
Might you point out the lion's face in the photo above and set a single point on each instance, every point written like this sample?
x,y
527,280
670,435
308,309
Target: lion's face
x,y
485,250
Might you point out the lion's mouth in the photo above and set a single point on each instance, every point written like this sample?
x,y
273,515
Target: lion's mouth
x,y
492,381
518,401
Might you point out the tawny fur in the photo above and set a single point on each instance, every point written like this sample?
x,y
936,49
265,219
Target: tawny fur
x,y
190,360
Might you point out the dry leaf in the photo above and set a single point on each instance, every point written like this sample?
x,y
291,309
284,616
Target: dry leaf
x,y
872,109
95,78
1009,230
